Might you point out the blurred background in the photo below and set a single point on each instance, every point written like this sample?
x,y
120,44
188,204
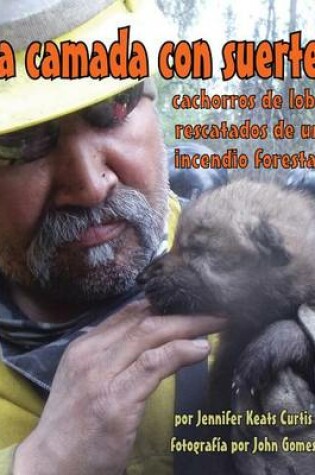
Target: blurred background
x,y
219,21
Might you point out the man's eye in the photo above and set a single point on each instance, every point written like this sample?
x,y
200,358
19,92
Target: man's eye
x,y
114,111
106,114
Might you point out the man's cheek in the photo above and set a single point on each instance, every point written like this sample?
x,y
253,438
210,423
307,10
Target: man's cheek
x,y
18,223
24,192
13,259
20,212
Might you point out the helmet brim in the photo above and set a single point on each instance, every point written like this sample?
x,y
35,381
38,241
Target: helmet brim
x,y
25,102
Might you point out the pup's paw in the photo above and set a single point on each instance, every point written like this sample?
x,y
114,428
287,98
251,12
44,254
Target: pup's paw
x,y
281,345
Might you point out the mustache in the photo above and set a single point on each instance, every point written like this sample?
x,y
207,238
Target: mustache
x,y
63,226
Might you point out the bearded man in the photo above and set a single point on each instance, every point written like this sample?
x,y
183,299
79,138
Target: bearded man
x,y
84,207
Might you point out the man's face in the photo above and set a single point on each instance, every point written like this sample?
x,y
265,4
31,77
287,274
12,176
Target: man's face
x,y
83,220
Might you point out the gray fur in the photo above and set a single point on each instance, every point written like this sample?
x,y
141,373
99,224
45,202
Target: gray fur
x,y
245,251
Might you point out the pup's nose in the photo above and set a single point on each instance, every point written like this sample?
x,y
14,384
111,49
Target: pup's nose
x,y
154,268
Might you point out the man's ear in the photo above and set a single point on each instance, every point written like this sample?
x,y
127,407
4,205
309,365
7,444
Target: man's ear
x,y
269,242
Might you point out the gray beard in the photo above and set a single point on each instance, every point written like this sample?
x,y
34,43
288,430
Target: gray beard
x,y
95,273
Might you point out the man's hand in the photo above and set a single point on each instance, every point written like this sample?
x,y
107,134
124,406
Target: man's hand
x,y
98,396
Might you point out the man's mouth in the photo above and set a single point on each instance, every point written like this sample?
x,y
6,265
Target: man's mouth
x,y
100,234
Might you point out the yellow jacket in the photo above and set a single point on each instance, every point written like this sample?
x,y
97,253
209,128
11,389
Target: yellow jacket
x,y
21,407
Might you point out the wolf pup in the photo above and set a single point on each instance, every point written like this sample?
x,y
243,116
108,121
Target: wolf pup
x,y
245,251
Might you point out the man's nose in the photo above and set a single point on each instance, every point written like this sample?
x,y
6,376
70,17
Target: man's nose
x,y
82,176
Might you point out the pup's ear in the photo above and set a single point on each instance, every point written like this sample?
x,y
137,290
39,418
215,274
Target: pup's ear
x,y
269,243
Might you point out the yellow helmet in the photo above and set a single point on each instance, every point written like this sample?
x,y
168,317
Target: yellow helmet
x,y
25,101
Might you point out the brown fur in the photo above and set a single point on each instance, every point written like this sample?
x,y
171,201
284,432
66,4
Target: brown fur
x,y
245,251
